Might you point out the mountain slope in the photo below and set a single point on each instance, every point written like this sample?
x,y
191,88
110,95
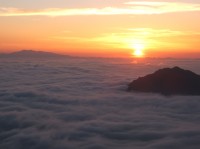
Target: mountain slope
x,y
32,54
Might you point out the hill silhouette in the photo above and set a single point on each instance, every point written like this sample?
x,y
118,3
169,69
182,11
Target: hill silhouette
x,y
32,54
168,81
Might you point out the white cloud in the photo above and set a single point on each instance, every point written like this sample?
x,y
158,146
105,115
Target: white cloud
x,y
82,103
164,7
130,8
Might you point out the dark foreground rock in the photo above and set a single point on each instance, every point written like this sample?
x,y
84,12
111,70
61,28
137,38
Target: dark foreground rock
x,y
168,81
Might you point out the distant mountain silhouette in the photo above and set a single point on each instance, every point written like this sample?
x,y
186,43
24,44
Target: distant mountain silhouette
x,y
32,54
168,81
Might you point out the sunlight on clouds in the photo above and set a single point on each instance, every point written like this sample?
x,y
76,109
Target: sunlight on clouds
x,y
150,39
163,7
127,37
156,32
129,8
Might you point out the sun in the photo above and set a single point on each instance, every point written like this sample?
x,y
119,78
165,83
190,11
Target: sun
x,y
138,50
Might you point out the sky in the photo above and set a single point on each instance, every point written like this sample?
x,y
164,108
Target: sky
x,y
110,28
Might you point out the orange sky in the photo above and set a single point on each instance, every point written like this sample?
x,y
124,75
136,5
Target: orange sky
x,y
96,28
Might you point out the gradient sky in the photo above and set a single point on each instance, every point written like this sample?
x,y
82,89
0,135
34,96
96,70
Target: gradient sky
x,y
102,28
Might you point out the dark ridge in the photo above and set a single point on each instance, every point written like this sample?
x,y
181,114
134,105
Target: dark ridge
x,y
168,81
32,54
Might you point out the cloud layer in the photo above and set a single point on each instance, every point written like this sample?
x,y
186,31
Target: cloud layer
x,y
83,103
129,8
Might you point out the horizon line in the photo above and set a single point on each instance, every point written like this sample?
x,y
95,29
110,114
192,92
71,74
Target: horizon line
x,y
77,56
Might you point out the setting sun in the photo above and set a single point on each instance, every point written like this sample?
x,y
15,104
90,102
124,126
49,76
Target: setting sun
x,y
138,50
138,53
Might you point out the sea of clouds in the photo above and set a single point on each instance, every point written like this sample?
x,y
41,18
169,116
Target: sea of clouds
x,y
82,103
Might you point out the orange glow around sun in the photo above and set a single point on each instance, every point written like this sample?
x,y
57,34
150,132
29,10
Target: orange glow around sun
x,y
138,49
